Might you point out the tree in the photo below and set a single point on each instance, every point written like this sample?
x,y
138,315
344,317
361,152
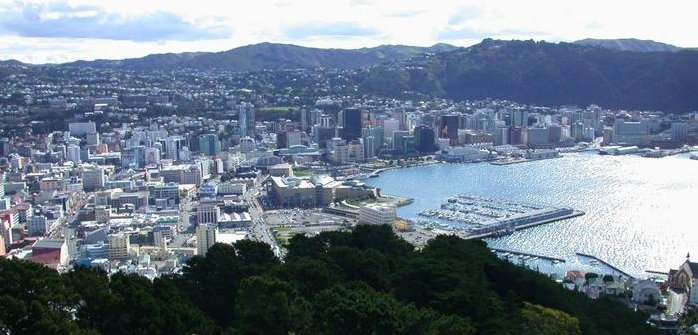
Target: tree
x,y
270,306
540,320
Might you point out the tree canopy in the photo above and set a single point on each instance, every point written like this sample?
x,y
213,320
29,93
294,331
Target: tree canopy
x,y
368,281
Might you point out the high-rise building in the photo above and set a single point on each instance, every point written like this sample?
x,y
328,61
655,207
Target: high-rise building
x,y
4,147
679,131
206,235
73,153
352,123
209,144
448,128
93,178
519,118
246,120
424,139
208,212
119,245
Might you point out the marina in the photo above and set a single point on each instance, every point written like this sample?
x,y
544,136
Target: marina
x,y
613,192
479,217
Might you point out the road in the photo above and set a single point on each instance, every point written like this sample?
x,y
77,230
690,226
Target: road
x,y
260,230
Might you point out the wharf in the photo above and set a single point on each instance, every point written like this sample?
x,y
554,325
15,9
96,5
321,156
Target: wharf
x,y
605,263
518,253
524,226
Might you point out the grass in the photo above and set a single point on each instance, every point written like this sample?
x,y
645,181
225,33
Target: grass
x,y
302,173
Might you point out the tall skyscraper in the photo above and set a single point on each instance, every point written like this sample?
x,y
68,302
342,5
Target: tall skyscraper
x,y
448,128
352,123
519,118
209,144
205,237
424,139
246,120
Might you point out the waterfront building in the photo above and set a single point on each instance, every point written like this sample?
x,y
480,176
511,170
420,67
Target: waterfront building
x,y
679,131
424,139
685,278
206,235
538,137
377,214
448,128
389,127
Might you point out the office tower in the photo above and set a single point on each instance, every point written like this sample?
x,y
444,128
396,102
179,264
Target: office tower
x,y
119,245
352,123
172,146
519,118
679,131
152,156
73,153
209,144
369,146
246,120
4,147
424,139
205,237
448,128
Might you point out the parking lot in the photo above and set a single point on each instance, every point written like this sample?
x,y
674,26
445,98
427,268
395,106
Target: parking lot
x,y
285,223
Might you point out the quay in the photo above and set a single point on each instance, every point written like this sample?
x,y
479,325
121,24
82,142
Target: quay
x,y
505,230
605,263
519,253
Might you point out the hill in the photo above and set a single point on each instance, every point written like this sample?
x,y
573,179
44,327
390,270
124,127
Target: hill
x,y
629,44
548,74
367,281
272,56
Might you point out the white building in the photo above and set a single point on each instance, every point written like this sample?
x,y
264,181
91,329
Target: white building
x,y
377,214
205,237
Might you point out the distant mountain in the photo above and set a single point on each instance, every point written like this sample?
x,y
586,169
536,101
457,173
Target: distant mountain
x,y
629,44
273,56
547,74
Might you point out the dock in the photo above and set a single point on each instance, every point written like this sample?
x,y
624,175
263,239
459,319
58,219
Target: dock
x,y
495,233
605,263
519,253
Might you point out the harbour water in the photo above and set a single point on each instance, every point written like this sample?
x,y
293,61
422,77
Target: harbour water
x,y
641,213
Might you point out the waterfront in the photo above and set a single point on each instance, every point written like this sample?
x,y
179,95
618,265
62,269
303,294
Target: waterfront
x,y
640,212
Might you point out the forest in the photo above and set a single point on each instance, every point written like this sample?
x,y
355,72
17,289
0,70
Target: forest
x,y
367,281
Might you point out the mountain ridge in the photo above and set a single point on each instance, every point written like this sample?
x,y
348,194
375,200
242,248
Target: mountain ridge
x,y
629,44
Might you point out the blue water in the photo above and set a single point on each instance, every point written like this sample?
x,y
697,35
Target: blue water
x,y
641,213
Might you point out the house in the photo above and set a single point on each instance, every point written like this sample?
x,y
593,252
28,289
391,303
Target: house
x,y
685,278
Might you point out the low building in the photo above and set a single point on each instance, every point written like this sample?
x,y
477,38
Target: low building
x,y
51,252
377,214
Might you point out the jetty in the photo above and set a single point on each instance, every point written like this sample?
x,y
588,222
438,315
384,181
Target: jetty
x,y
519,253
605,263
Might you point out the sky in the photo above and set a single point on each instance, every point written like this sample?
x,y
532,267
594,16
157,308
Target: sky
x,y
66,30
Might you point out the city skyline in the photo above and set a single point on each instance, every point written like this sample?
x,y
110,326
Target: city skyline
x,y
63,31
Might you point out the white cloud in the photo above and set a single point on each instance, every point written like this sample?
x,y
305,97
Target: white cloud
x,y
347,24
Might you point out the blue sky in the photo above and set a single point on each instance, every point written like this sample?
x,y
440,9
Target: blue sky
x,y
66,30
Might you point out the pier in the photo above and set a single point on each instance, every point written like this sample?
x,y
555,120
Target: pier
x,y
605,263
504,230
519,253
